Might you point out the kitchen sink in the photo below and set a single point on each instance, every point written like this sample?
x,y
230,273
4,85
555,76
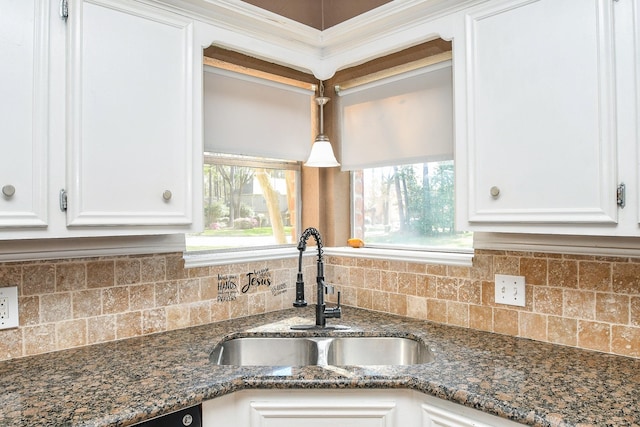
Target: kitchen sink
x,y
302,351
377,351
266,352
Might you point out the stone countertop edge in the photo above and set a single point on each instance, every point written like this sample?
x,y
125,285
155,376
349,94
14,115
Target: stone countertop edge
x,y
125,382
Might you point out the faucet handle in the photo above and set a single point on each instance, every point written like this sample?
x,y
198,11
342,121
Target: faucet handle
x,y
333,312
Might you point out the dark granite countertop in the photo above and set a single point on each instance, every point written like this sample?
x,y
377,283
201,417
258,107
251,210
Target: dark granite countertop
x,y
121,383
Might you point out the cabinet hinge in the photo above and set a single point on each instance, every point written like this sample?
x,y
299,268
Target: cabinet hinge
x,y
621,195
64,9
63,200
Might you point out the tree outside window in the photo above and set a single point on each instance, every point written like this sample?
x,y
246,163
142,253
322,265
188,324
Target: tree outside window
x,y
407,206
248,202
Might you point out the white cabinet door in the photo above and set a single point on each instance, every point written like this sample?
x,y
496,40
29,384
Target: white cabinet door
x,y
354,408
630,67
442,413
24,40
311,408
314,413
536,117
130,115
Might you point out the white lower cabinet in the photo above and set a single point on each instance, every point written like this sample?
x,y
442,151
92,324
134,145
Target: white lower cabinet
x,y
341,408
441,413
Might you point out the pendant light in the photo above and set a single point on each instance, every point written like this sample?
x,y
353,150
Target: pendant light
x,y
321,155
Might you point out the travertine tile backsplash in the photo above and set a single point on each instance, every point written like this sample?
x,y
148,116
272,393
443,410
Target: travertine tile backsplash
x,y
581,301
71,303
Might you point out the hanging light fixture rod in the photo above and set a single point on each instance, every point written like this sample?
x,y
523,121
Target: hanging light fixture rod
x,y
322,101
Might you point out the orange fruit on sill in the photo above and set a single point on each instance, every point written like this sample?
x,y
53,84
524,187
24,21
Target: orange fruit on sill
x,y
355,243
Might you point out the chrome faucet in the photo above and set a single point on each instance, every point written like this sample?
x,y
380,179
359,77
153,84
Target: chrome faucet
x,y
322,311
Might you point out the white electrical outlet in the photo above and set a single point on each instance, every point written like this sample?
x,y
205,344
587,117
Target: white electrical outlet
x,y
510,290
9,307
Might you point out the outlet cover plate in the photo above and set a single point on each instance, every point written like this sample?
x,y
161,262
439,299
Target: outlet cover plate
x,y
9,307
510,290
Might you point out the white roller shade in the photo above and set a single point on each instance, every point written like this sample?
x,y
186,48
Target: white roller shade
x,y
402,119
252,116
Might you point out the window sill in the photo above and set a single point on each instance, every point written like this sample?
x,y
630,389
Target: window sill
x,y
234,257
428,257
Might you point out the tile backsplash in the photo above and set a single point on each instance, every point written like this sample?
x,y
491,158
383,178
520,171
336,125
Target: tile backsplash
x,y
72,303
589,302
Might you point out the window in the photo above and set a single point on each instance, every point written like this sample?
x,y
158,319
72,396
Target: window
x,y
407,206
249,202
397,141
256,133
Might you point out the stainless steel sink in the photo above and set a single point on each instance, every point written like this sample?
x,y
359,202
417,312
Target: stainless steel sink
x,y
265,352
377,351
302,351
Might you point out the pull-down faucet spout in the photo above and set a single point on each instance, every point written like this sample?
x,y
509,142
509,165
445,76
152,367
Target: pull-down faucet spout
x,y
322,311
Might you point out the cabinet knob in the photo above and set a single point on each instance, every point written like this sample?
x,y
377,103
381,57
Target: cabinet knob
x,y
8,190
166,195
495,191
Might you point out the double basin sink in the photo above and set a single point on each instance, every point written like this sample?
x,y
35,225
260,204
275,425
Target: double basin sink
x,y
304,351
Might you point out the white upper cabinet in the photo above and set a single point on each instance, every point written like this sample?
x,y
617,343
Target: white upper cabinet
x,y
130,118
108,106
105,105
538,135
24,43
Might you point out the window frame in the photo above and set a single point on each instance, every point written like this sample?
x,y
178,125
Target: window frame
x,y
253,253
217,58
426,254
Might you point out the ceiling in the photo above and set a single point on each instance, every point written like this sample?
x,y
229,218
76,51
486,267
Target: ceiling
x,y
318,14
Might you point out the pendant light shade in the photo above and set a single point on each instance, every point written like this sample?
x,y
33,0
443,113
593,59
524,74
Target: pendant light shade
x,y
321,155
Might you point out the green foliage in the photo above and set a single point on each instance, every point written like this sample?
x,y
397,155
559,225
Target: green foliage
x,y
428,199
246,211
244,223
215,212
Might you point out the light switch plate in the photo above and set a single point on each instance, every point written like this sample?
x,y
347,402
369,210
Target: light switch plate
x,y
510,290
9,307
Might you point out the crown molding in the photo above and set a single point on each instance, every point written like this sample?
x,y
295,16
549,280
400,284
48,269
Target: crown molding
x,y
386,30
265,35
239,26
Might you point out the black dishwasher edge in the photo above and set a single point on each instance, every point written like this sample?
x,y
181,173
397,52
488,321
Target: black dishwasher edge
x,y
189,417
